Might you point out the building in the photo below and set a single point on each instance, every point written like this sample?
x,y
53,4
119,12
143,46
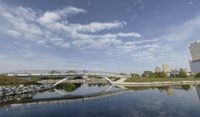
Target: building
x,y
195,66
195,50
165,68
195,53
176,73
157,69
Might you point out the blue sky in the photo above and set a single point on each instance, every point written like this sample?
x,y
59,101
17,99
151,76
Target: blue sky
x,y
106,35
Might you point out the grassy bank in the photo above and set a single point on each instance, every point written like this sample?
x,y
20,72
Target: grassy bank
x,y
160,79
5,80
165,88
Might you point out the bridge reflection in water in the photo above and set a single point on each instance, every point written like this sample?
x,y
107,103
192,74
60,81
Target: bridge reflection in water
x,y
102,91
113,83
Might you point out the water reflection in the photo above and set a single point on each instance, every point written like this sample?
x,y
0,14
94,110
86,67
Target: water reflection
x,y
62,91
69,87
169,90
198,91
83,89
174,101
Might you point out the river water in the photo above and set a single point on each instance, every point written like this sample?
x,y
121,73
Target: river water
x,y
83,100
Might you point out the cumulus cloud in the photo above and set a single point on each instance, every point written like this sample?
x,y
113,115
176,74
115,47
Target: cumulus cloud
x,y
53,28
49,17
52,16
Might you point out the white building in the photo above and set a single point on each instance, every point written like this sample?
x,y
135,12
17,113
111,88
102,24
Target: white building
x,y
195,53
166,68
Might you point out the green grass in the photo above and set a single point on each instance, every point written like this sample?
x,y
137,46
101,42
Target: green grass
x,y
185,87
159,79
6,80
36,78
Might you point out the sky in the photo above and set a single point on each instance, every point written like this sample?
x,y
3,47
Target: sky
x,y
104,35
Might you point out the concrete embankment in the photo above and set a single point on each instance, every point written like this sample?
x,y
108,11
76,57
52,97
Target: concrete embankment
x,y
166,83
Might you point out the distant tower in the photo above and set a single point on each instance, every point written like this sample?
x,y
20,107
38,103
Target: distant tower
x,y
157,69
195,53
166,68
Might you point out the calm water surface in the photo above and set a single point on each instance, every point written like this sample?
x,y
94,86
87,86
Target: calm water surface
x,y
171,101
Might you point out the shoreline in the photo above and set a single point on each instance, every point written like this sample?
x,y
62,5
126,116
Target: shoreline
x,y
136,83
160,83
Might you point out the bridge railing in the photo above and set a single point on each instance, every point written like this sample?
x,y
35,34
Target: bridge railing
x,y
83,72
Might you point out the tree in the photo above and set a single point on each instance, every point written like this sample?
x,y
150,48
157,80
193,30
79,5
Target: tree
x,y
53,72
160,75
197,75
182,74
147,74
134,75
69,87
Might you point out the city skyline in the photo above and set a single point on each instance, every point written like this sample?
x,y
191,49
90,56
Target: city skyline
x,y
131,36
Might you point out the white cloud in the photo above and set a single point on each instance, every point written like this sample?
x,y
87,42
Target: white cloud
x,y
65,45
132,34
96,26
97,44
14,33
70,11
53,16
52,28
171,47
49,17
22,23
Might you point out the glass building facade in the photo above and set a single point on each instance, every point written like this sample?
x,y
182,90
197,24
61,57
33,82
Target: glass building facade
x,y
195,53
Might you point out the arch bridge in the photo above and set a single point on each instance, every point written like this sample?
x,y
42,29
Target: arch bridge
x,y
72,74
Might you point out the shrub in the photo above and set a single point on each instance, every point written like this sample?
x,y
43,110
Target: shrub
x,y
182,74
197,75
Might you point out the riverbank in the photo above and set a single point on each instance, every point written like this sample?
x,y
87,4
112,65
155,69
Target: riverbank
x,y
14,81
161,83
134,82
160,79
17,90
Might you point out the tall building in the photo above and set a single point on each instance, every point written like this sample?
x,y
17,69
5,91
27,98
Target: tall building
x,y
166,68
195,50
195,53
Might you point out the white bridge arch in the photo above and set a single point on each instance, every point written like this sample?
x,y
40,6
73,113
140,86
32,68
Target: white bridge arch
x,y
104,77
72,73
